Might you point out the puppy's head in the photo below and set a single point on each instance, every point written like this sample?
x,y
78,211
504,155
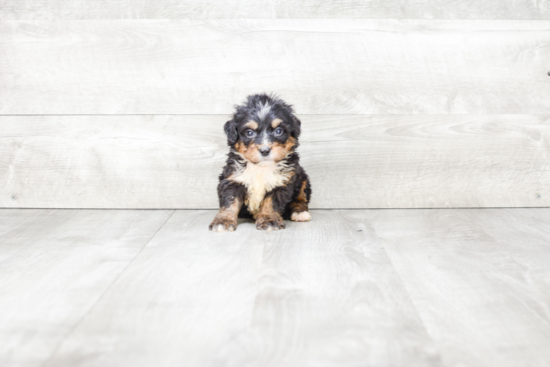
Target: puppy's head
x,y
263,129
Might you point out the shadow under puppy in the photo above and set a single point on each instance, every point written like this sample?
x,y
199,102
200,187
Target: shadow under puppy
x,y
262,177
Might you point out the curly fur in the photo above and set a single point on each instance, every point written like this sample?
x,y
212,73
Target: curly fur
x,y
262,177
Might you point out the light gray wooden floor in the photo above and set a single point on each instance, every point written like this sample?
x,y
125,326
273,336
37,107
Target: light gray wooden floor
x,y
465,287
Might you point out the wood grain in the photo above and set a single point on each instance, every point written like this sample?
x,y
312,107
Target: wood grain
x,y
191,292
316,294
380,161
444,287
322,66
55,265
174,9
478,278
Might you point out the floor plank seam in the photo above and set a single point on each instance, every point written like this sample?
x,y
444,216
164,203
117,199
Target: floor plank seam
x,y
27,220
47,361
415,307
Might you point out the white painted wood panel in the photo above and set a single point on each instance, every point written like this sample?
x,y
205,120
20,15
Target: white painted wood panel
x,y
383,161
479,279
316,294
174,9
54,266
337,66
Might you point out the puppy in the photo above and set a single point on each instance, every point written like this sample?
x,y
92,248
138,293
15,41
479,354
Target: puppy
x,y
262,177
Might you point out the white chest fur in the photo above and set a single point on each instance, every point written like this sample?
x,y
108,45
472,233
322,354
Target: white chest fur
x,y
260,179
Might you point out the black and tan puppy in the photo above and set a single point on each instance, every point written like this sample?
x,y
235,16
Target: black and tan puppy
x,y
262,178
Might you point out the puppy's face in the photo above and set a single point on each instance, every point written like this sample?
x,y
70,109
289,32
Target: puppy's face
x,y
263,130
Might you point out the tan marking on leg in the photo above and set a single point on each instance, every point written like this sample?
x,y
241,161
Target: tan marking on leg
x,y
252,124
299,206
226,219
267,218
276,122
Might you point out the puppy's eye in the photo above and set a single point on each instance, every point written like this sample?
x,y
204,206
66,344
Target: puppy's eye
x,y
250,133
278,131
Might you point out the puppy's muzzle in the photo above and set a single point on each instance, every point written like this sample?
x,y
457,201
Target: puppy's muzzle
x,y
264,151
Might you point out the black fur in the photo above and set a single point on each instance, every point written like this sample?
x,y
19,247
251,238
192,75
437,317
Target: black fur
x,y
236,132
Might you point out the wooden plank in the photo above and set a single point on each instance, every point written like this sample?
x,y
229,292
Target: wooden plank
x,y
382,161
174,9
479,279
337,66
55,265
322,293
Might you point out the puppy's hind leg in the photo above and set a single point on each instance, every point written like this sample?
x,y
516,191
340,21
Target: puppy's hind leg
x,y
299,204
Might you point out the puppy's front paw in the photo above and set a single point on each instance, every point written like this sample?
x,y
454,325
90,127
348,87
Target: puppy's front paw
x,y
300,217
223,224
270,223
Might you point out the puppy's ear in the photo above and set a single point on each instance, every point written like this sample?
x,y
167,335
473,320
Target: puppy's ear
x,y
297,127
230,128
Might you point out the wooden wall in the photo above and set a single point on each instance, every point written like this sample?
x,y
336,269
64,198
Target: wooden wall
x,y
255,9
120,104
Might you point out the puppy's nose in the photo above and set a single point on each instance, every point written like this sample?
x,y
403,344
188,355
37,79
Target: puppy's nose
x,y
265,151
